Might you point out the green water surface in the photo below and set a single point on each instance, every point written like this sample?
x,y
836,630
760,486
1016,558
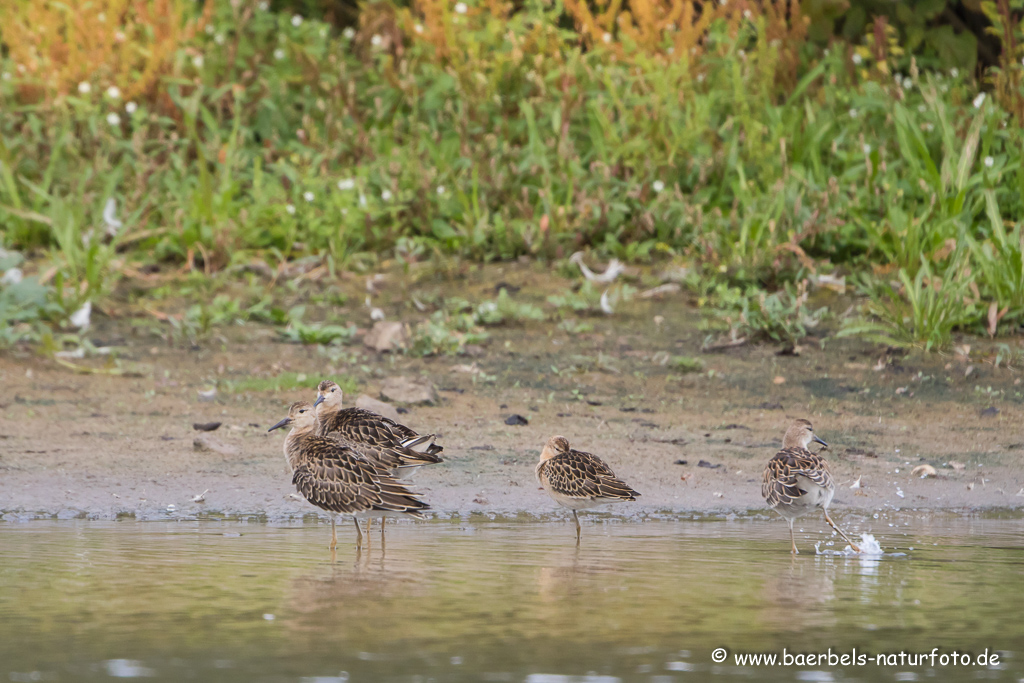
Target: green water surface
x,y
500,601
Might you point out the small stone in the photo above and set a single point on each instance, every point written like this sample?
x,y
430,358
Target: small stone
x,y
205,442
516,420
205,426
380,407
408,390
705,463
679,462
991,411
386,335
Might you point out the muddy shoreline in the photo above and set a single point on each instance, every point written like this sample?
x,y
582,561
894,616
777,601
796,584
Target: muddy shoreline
x,y
100,446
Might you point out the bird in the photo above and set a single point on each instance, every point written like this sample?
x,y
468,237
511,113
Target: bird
x,y
379,439
338,479
578,480
394,445
797,481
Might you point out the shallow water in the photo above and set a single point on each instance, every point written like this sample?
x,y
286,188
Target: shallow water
x,y
500,601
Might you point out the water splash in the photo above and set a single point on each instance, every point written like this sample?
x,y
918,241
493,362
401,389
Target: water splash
x,y
868,546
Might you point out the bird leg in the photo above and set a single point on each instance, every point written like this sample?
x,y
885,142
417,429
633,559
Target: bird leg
x,y
383,521
792,538
832,524
359,533
334,535
577,520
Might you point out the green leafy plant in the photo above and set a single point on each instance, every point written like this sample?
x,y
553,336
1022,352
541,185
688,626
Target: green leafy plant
x,y
920,311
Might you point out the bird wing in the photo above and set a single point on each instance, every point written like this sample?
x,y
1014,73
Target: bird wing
x,y
781,483
377,438
334,477
584,475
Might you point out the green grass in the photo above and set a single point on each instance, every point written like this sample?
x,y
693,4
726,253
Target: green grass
x,y
296,142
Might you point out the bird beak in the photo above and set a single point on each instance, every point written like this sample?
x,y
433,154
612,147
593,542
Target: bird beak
x,y
814,437
280,424
318,401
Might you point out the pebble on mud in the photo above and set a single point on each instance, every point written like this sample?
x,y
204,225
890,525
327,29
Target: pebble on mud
x,y
205,426
679,462
923,471
516,419
991,411
408,390
386,336
205,442
705,463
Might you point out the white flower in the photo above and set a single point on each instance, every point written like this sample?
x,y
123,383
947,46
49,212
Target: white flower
x,y
219,39
113,119
440,189
460,7
113,92
658,186
700,78
197,61
131,107
989,162
264,5
376,40
12,277
290,208
6,76
209,29
607,37
670,49
867,148
418,28
346,184
908,83
979,100
929,127
954,72
307,195
853,113
296,20
362,199
84,87
349,33
279,54
922,108
386,195
857,59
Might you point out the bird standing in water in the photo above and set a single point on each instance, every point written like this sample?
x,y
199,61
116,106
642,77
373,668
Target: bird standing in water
x,y
381,440
578,480
338,479
796,481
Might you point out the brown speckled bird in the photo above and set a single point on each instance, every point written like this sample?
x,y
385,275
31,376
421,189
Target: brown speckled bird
x,y
336,478
578,480
378,438
797,481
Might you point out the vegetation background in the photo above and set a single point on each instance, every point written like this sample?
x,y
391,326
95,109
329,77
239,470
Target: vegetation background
x,y
172,153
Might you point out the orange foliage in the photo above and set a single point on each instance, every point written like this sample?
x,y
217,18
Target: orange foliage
x,y
678,28
126,43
